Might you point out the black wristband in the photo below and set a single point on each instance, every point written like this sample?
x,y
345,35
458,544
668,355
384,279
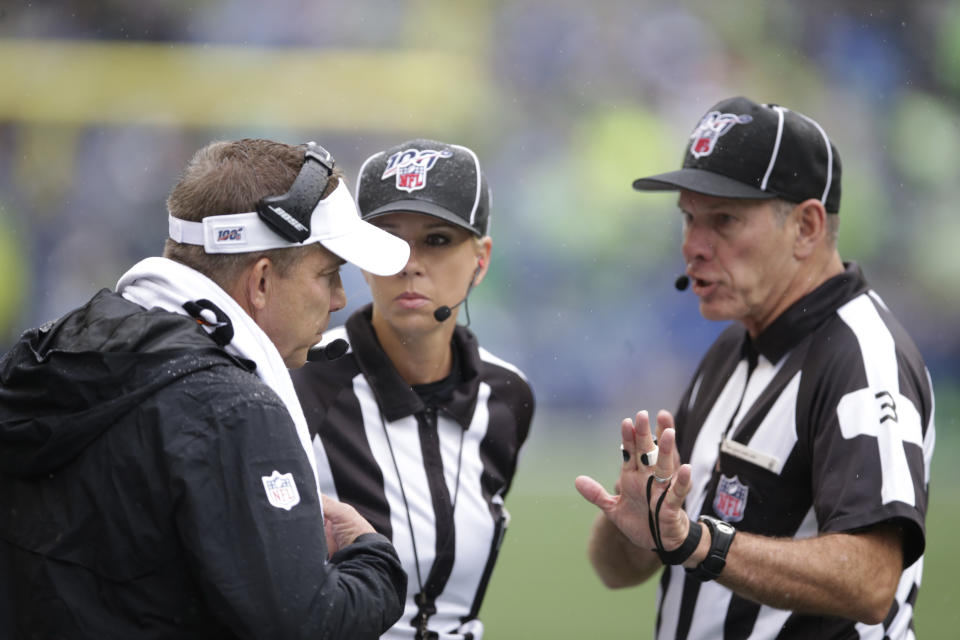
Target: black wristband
x,y
689,545
721,537
685,550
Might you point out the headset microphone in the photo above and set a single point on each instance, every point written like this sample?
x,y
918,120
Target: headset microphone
x,y
443,312
682,282
331,351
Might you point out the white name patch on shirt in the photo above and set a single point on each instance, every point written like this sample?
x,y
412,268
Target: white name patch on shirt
x,y
281,490
759,458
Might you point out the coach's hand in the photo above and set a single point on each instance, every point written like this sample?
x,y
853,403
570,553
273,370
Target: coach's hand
x,y
342,524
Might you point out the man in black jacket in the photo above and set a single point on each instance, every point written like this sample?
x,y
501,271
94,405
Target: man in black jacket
x,y
156,475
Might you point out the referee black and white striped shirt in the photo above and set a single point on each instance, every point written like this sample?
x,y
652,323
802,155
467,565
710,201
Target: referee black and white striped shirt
x,y
823,423
428,467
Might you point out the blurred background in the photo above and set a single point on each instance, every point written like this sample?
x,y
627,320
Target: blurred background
x,y
103,103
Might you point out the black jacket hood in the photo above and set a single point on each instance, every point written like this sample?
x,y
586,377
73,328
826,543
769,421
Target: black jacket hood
x,y
66,382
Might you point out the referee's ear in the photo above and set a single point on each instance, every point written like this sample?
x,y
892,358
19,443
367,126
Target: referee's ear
x,y
484,247
810,216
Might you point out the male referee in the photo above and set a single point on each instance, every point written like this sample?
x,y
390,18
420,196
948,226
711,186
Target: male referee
x,y
806,432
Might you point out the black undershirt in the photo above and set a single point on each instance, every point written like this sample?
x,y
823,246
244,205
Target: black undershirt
x,y
435,393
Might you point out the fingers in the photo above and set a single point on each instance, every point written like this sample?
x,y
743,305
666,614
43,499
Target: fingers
x,y
640,449
646,443
334,511
332,517
628,509
664,422
594,492
638,441
674,522
332,546
628,434
327,503
667,459
680,488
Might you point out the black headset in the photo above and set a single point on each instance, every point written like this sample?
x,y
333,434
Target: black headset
x,y
289,214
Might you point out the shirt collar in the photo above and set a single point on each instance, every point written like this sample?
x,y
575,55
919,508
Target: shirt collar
x,y
807,313
396,398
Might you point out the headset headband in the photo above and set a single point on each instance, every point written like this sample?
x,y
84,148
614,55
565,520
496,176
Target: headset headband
x,y
298,218
289,214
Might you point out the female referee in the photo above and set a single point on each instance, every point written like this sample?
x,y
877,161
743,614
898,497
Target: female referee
x,y
417,426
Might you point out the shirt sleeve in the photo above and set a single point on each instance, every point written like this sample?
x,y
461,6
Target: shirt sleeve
x,y
866,441
250,521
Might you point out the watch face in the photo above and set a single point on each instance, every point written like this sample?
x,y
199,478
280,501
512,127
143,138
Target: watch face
x,y
724,527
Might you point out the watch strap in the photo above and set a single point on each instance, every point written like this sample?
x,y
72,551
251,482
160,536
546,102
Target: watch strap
x,y
721,537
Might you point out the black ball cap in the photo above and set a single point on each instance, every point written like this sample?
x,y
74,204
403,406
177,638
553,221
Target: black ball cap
x,y
426,176
741,149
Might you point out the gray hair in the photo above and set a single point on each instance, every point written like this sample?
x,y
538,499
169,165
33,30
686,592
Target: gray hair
x,y
782,209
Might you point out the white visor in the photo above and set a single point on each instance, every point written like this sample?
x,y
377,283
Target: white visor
x,y
335,223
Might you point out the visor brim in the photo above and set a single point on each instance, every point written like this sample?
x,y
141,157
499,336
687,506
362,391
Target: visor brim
x,y
700,181
370,248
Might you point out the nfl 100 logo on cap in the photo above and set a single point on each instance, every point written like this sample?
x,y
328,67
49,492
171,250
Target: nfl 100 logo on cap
x,y
742,149
713,125
411,166
281,490
429,177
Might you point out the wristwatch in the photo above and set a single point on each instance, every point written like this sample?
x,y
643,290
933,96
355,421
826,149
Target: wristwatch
x,y
721,537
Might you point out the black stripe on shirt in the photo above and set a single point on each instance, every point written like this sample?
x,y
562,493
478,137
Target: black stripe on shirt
x,y
357,476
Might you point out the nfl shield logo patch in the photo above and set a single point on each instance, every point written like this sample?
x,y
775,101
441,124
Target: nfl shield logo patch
x,y
731,499
281,490
411,177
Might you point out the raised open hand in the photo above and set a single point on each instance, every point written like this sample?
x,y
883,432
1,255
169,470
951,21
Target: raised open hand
x,y
649,466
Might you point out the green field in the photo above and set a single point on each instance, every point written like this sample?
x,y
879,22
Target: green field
x,y
544,587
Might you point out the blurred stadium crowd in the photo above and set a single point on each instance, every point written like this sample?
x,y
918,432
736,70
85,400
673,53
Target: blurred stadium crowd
x,y
565,102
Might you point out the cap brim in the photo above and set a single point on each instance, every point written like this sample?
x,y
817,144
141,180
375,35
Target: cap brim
x,y
420,206
700,181
370,248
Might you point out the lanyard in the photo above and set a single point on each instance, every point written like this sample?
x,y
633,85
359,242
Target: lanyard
x,y
444,508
